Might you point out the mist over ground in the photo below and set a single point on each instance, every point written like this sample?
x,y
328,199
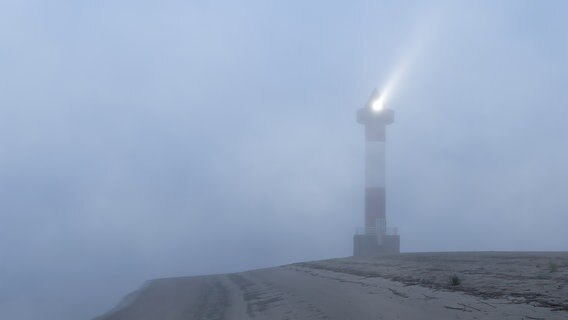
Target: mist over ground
x,y
147,139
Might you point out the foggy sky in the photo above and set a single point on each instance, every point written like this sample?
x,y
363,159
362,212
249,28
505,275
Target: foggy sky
x,y
147,139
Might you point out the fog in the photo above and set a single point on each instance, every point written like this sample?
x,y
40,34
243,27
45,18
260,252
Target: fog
x,y
148,139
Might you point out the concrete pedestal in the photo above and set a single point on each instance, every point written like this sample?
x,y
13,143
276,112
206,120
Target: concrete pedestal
x,y
367,245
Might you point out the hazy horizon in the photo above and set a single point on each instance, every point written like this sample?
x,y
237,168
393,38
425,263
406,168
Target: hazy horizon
x,y
149,139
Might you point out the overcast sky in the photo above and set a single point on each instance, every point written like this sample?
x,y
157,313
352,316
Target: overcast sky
x,y
146,139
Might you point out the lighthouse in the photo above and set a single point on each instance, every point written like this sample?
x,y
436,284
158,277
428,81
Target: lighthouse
x,y
375,237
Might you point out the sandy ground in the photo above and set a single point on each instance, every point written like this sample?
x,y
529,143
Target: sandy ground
x,y
406,286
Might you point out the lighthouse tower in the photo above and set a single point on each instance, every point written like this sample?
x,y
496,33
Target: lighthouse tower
x,y
375,238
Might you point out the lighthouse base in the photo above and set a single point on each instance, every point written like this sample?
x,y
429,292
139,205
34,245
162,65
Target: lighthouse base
x,y
369,245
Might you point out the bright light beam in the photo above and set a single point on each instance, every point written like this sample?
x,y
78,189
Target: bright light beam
x,y
379,98
378,104
427,29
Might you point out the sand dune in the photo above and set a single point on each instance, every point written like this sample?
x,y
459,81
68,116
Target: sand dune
x,y
493,285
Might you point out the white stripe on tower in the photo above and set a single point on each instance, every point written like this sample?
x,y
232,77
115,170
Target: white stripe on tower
x,y
375,164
